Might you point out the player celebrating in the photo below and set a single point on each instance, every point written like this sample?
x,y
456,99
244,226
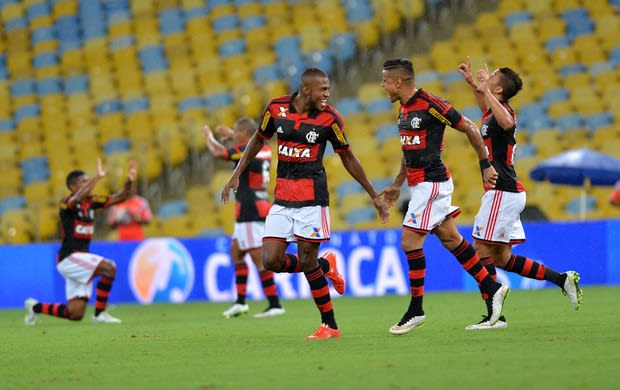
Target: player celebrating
x,y
252,208
421,124
497,226
74,262
303,124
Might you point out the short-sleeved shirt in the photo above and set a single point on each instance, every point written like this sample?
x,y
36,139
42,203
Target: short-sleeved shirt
x,y
252,199
78,223
302,138
421,124
501,145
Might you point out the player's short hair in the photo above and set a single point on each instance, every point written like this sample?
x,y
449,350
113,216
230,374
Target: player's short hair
x,y
510,82
247,124
312,73
73,176
402,65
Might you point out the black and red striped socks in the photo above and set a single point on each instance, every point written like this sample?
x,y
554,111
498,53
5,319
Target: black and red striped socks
x,y
241,282
529,268
320,294
469,260
102,293
53,309
417,272
269,288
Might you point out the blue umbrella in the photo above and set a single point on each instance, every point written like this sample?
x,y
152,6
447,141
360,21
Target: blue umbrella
x,y
579,167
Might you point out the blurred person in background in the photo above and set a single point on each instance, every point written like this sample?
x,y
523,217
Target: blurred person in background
x,y
252,209
128,218
614,198
497,226
304,123
74,262
421,124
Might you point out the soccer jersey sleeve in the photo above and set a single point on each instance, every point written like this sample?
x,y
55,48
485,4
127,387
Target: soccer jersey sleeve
x,y
336,135
100,201
267,128
444,112
234,153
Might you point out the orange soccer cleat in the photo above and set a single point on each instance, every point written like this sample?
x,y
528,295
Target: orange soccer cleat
x,y
332,274
324,332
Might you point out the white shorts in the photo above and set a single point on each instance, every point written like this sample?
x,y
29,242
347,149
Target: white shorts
x,y
291,224
499,218
430,204
249,235
78,270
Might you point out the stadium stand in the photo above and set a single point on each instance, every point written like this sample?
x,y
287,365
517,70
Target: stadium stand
x,y
137,79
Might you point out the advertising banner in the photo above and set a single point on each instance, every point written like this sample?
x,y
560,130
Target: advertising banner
x,y
177,270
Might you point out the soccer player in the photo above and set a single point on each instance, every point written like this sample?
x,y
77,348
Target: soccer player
x,y
497,226
614,197
303,124
74,262
421,124
252,208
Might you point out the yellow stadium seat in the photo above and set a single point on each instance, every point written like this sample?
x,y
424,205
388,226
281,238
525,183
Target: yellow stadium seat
x,y
12,11
273,89
19,63
249,9
172,148
16,226
367,34
156,83
538,6
38,193
119,29
551,27
41,21
111,126
562,5
45,222
65,8
220,10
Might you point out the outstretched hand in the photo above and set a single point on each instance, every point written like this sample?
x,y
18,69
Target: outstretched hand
x,y
382,208
390,194
100,171
465,69
132,171
232,184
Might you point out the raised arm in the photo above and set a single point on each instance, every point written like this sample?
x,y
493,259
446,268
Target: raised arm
x,y
254,146
85,190
465,69
502,115
489,175
130,185
355,169
217,149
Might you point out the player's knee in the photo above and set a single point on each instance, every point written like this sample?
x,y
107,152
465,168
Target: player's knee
x,y
272,264
109,268
75,315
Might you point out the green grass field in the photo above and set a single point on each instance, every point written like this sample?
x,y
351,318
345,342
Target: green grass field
x,y
191,346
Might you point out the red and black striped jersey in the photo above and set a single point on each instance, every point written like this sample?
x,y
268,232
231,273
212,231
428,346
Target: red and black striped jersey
x,y
501,146
301,180
77,223
421,124
252,199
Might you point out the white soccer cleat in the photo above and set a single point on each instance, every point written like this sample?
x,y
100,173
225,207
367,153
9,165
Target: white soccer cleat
x,y
405,327
485,324
271,312
572,290
31,317
236,310
105,318
497,303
